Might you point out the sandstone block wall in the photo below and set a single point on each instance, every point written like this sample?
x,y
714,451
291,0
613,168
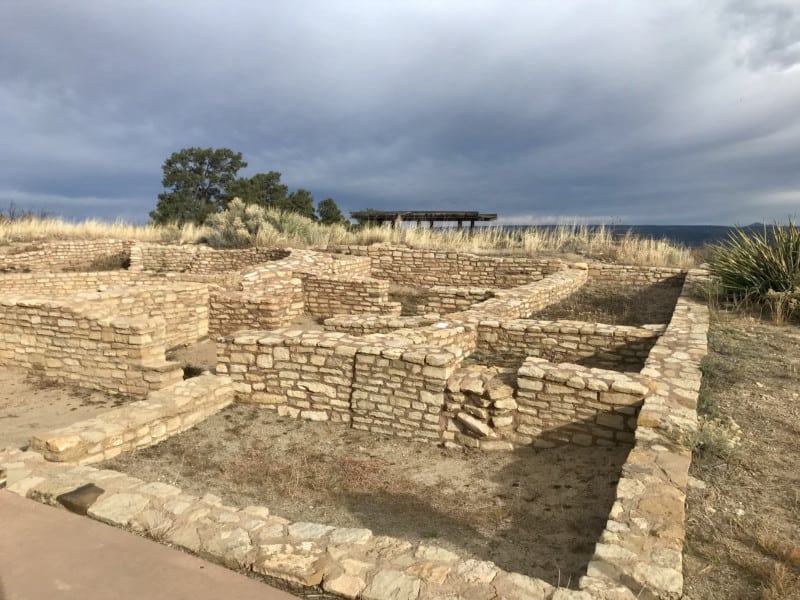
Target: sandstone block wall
x,y
60,285
198,259
56,340
235,311
409,266
568,403
642,545
61,256
369,324
184,308
326,296
610,274
136,425
614,347
378,383
522,301
447,299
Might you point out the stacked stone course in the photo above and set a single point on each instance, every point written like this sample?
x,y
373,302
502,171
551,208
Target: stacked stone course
x,y
335,295
449,299
138,424
61,256
398,376
615,347
409,266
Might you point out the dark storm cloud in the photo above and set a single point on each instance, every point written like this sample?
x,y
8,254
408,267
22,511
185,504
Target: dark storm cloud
x,y
662,112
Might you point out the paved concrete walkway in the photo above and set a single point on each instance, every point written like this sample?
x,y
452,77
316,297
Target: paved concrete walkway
x,y
47,552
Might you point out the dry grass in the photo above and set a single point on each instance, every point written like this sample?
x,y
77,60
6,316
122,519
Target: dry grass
x,y
52,229
291,230
743,527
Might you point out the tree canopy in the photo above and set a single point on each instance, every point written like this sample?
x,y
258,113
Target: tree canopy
x,y
200,182
197,181
329,213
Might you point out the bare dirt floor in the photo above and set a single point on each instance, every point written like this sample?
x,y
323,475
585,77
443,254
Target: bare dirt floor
x,y
537,512
743,508
28,405
634,305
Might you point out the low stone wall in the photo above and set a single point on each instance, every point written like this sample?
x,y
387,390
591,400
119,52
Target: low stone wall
x,y
326,296
62,256
567,403
411,266
369,324
642,545
54,339
60,285
447,299
522,301
611,274
138,424
379,383
615,347
348,562
183,308
192,258
273,309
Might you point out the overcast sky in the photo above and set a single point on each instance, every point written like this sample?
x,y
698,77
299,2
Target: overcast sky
x,y
628,111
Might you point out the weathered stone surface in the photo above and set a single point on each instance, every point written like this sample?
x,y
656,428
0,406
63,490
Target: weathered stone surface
x,y
474,425
118,509
477,571
348,586
350,536
392,585
302,563
308,531
428,552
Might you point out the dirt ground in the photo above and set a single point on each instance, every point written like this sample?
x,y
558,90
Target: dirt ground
x,y
624,305
743,519
537,512
28,406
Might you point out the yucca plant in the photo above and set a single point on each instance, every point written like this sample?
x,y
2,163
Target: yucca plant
x,y
761,268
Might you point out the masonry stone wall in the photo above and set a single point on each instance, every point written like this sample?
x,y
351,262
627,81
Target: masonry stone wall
x,y
379,382
611,274
368,324
61,256
326,296
448,299
522,301
184,305
193,258
642,545
567,403
59,285
184,308
616,347
137,424
59,342
410,266
232,311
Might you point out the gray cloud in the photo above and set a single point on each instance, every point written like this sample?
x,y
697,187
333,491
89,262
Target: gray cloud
x,y
640,112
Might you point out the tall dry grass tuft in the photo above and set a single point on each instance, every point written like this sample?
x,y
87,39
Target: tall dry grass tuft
x,y
243,226
51,228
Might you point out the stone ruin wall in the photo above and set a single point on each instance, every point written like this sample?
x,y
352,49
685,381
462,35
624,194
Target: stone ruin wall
x,y
416,267
639,553
442,300
113,340
55,340
61,256
328,296
614,347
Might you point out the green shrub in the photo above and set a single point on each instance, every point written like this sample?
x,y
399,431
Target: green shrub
x,y
237,226
761,268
